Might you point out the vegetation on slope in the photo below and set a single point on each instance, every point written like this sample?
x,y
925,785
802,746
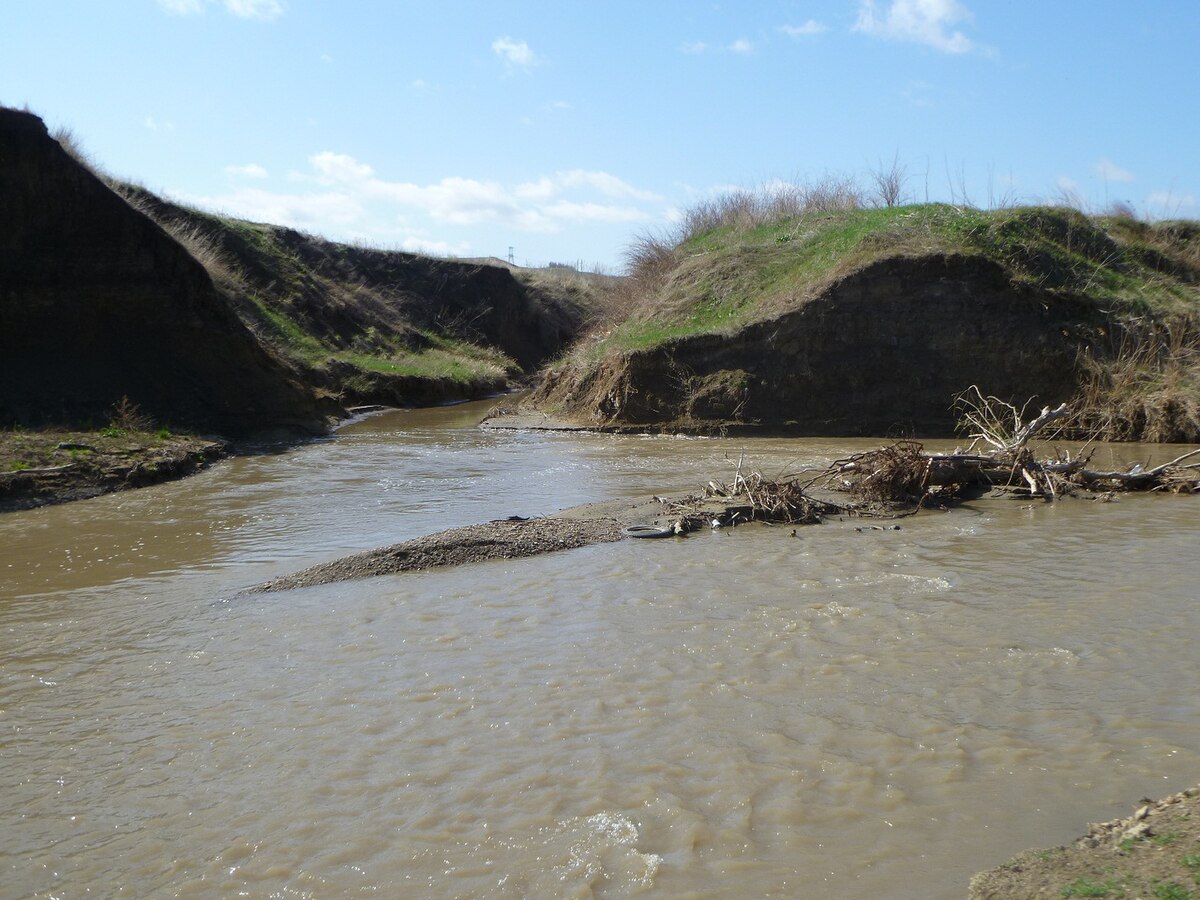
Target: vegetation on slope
x,y
317,316
741,269
748,258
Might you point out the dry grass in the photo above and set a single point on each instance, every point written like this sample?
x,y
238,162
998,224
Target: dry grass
x,y
199,242
69,141
1145,385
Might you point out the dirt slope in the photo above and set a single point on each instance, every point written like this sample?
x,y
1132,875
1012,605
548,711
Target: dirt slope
x,y
97,302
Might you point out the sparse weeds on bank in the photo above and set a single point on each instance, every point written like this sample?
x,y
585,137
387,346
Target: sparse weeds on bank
x,y
1086,887
1172,890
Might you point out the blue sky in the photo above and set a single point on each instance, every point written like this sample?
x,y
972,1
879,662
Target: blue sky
x,y
562,129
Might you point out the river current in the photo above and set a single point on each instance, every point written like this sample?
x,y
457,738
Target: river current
x,y
843,713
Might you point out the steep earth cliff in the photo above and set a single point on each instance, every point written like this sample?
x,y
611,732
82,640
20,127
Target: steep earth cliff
x,y
97,303
207,322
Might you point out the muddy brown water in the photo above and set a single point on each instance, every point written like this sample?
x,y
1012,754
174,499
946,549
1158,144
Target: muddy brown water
x,y
837,714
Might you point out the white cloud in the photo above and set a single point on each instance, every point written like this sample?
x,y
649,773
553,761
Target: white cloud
x,y
153,124
349,194
315,211
1110,171
514,53
917,93
414,244
182,7
1168,204
607,184
250,170
265,10
594,212
926,22
1070,193
419,84
742,45
338,167
694,47
811,27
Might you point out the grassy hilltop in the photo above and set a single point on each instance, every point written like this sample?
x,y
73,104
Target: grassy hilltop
x,y
719,311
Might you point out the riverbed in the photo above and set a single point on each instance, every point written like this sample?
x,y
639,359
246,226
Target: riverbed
x,y
839,713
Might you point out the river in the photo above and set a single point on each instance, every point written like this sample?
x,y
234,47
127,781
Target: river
x,y
843,713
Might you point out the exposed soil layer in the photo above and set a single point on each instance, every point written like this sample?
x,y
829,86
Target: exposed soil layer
x,y
1155,852
46,467
882,351
97,302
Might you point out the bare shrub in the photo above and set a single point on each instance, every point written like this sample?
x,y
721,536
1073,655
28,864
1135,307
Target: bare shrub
x,y
743,210
889,182
128,416
831,194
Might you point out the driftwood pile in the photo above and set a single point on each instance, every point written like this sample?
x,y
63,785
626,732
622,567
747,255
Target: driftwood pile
x,y
748,498
901,478
999,457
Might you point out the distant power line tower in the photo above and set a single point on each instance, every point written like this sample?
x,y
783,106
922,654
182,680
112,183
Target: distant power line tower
x,y
511,260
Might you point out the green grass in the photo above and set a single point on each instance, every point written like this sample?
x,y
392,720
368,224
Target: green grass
x,y
1083,887
289,336
729,276
443,358
1172,890
431,363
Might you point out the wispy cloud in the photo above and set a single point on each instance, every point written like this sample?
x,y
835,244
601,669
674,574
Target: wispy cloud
x,y
1110,171
693,47
417,244
608,185
264,10
742,45
1070,193
809,28
350,192
928,22
183,7
514,53
153,124
255,9
318,211
250,170
1167,204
